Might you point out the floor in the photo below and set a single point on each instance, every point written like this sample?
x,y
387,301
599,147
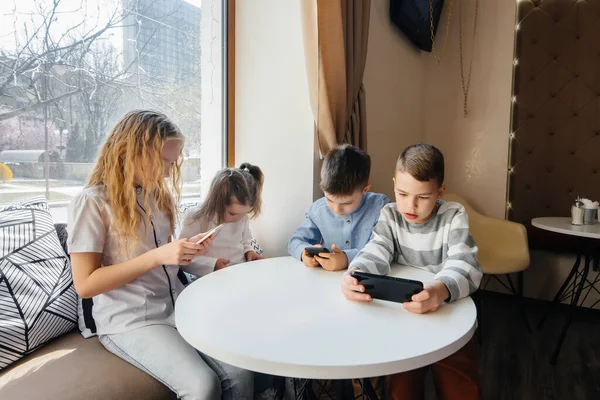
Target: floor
x,y
515,365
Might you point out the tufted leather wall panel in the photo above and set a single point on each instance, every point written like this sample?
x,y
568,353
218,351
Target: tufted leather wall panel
x,y
555,152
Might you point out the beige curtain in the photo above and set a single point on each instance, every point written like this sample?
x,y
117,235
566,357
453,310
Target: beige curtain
x,y
335,46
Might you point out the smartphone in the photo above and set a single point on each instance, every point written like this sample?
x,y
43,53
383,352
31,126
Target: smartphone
x,y
314,251
388,288
210,233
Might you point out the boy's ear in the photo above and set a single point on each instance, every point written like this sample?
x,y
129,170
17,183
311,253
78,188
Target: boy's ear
x,y
367,188
442,191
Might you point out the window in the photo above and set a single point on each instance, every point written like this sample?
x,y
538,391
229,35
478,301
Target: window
x,y
69,69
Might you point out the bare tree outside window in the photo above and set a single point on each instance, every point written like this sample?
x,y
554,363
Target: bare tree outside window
x,y
69,69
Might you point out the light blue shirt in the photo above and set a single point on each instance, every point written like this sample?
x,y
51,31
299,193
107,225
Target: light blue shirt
x,y
350,233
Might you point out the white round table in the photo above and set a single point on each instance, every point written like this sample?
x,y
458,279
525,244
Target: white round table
x,y
563,225
576,281
277,316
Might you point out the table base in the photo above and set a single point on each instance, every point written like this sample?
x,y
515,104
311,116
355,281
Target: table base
x,y
573,288
343,389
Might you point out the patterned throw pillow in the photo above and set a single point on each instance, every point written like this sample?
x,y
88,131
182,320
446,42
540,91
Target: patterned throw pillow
x,y
256,247
37,298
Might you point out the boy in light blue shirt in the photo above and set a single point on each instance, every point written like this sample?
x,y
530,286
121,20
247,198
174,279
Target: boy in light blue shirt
x,y
342,220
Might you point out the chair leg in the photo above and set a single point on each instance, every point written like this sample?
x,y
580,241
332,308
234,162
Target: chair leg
x,y
518,292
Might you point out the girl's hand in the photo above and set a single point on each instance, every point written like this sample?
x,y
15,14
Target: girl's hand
x,y
179,252
252,255
221,263
206,243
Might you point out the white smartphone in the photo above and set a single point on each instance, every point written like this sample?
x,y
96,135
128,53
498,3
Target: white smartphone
x,y
210,233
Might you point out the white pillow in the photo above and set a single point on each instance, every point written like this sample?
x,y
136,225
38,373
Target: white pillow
x,y
37,298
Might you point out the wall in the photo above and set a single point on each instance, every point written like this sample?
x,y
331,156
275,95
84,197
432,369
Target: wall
x,y
274,124
409,99
476,147
394,82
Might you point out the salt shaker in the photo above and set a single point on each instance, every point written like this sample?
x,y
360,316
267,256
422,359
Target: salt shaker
x,y
577,213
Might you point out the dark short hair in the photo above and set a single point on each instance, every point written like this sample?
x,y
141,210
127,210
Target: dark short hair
x,y
345,169
423,162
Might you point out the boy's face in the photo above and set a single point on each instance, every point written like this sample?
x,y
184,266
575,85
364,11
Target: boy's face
x,y
415,200
345,204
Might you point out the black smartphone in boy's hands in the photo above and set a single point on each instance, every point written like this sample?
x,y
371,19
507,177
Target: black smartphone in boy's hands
x,y
314,251
387,288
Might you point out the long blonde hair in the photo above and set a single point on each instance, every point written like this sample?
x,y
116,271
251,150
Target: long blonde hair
x,y
137,140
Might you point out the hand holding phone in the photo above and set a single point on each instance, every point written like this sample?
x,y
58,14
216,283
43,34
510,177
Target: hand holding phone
x,y
210,233
314,251
309,260
434,294
335,260
353,290
388,288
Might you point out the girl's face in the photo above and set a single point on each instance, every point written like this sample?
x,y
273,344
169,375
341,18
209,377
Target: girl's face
x,y
170,154
235,211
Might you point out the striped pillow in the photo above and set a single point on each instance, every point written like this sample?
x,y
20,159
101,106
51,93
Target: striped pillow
x,y
37,298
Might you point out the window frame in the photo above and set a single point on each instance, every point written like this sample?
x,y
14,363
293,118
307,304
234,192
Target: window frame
x,y
229,83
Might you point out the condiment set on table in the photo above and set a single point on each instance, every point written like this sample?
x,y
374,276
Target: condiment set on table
x,y
584,212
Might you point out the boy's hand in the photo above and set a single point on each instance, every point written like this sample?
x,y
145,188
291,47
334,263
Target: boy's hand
x,y
308,260
252,255
221,263
352,290
430,299
334,261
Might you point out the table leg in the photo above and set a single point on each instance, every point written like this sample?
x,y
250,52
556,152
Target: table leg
x,y
368,391
303,389
591,284
562,289
279,386
343,389
575,299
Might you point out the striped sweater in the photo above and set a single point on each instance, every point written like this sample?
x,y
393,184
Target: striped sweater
x,y
442,245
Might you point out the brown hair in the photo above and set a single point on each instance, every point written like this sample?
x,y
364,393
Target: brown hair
x,y
137,139
423,162
245,183
345,169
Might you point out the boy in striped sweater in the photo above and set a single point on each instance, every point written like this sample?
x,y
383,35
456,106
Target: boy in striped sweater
x,y
422,231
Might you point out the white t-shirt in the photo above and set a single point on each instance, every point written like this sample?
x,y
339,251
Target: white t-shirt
x,y
231,242
147,300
